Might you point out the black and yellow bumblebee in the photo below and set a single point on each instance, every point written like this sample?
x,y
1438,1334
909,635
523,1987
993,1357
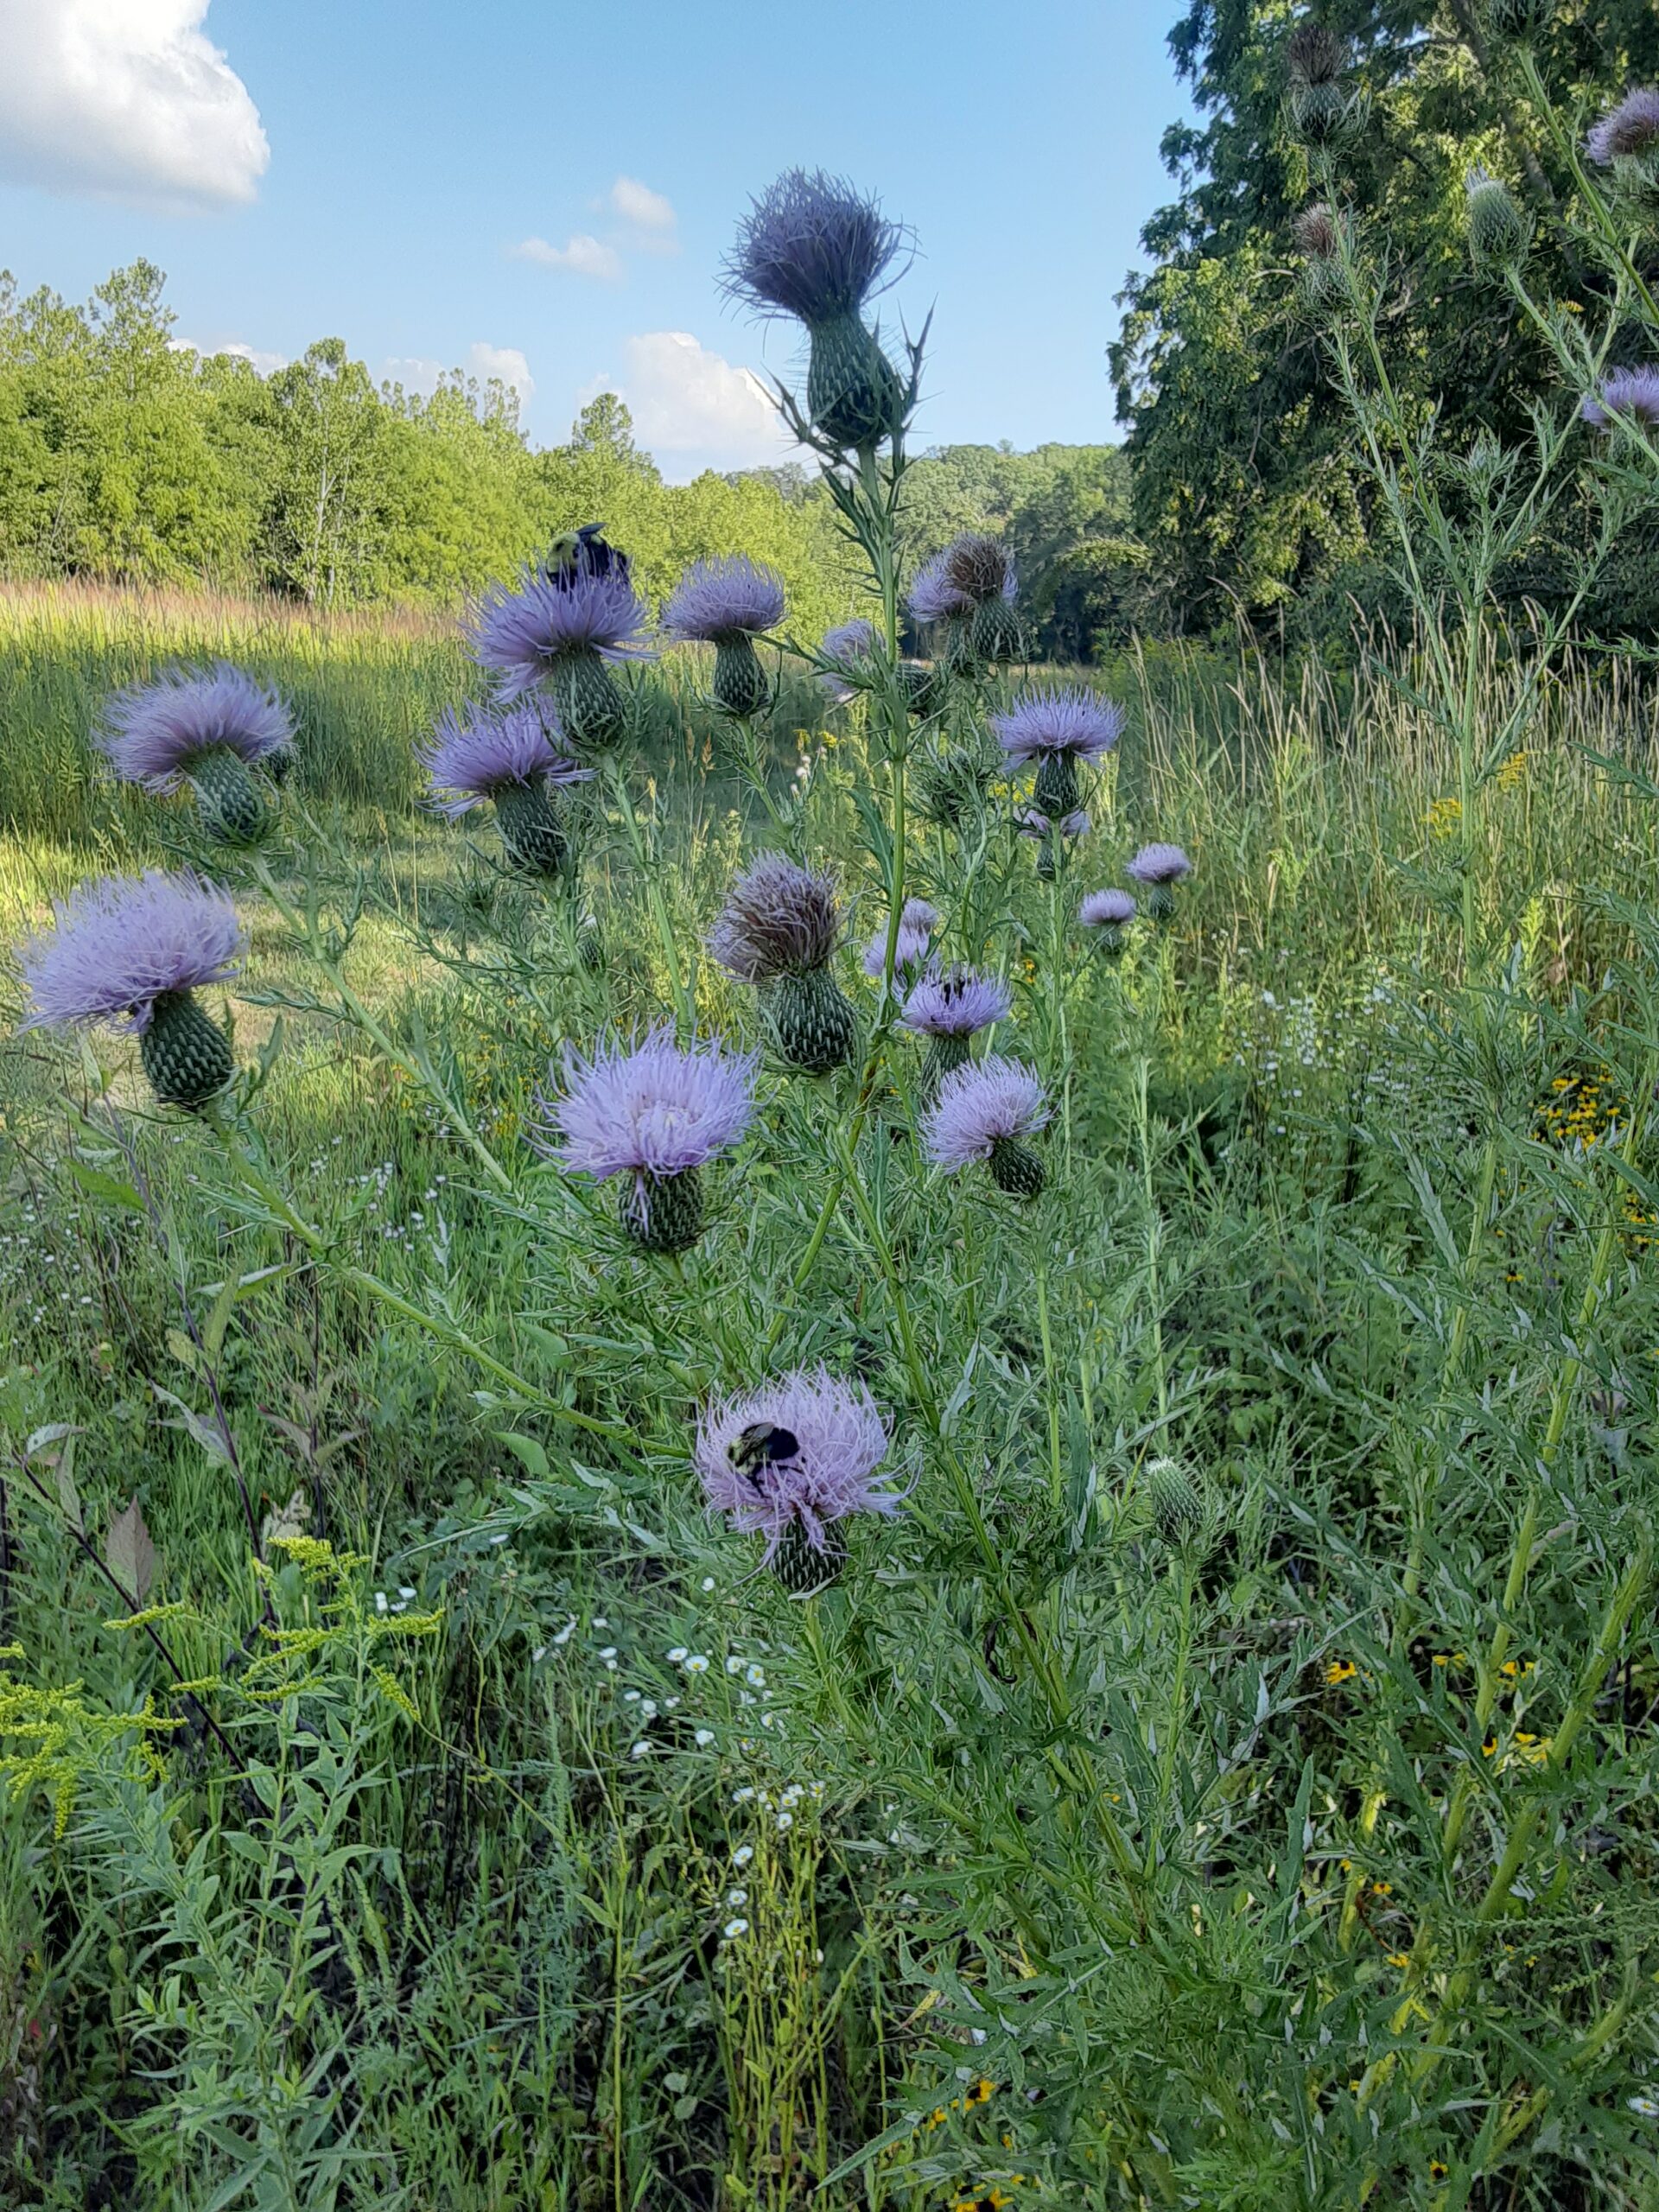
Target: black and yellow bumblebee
x,y
761,1444
584,553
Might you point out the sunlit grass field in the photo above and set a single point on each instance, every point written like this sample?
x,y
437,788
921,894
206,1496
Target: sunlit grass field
x,y
580,1867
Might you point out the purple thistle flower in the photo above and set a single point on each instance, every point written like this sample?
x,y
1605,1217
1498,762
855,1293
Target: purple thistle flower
x,y
935,597
988,1103
152,732
1106,910
779,920
470,756
958,1002
647,1107
840,1440
1159,864
845,646
724,599
1074,721
1631,392
813,247
1629,129
850,641
916,923
121,943
520,631
1034,822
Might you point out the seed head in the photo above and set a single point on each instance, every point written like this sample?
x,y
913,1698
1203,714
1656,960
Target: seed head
x,y
779,918
980,567
1314,55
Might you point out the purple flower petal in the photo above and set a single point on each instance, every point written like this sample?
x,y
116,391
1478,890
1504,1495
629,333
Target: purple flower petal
x,y
647,1107
117,944
723,599
151,732
979,1105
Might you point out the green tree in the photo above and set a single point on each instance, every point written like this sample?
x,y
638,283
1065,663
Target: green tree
x,y
326,544
1242,489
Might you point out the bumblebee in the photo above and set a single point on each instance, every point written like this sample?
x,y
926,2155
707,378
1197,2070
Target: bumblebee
x,y
761,1444
584,553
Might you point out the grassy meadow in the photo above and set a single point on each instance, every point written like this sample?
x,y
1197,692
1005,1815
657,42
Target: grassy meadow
x,y
458,1818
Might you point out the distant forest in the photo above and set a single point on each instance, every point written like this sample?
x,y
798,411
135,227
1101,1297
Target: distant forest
x,y
1234,496
127,458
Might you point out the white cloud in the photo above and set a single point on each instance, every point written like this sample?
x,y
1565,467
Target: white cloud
x,y
413,371
264,362
506,362
694,409
647,210
125,98
586,255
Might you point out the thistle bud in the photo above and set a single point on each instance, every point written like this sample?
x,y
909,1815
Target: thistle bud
x,y
1177,1506
1498,230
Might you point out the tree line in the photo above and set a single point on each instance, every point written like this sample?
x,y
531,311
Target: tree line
x,y
126,457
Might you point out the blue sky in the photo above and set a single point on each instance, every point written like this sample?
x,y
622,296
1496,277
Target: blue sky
x,y
548,189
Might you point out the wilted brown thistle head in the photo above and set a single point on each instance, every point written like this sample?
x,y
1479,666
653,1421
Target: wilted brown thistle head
x,y
779,920
1314,55
977,566
1315,231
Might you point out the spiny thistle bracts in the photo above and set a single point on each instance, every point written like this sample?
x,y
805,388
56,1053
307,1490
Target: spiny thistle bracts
x,y
986,1111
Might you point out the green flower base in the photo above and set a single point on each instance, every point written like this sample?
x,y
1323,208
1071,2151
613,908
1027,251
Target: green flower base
x,y
1176,1506
944,1055
740,685
663,1213
997,633
186,1057
811,1023
228,800
531,829
853,391
802,1567
591,709
1057,793
1016,1169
